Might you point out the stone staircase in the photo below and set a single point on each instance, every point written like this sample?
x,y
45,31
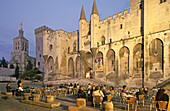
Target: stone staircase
x,y
165,83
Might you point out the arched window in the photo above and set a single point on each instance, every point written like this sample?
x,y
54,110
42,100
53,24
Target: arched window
x,y
51,47
102,40
74,47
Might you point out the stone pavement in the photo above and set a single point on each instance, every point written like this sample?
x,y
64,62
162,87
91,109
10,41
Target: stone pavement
x,y
14,104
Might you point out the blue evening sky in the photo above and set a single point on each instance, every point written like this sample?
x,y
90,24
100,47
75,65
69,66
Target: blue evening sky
x,y
56,14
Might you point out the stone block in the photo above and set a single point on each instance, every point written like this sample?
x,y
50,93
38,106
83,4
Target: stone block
x,y
26,96
42,104
107,106
49,99
36,97
81,102
8,95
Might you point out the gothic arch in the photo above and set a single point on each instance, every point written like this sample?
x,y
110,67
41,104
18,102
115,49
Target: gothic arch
x,y
89,60
156,55
50,64
78,66
124,60
110,60
70,67
99,61
137,60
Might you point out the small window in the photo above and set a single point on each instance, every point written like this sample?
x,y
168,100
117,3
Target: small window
x,y
51,47
40,55
110,40
38,63
68,50
74,47
141,6
97,44
121,26
103,40
112,62
161,1
128,32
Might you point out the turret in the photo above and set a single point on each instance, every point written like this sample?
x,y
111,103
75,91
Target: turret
x,y
94,25
83,27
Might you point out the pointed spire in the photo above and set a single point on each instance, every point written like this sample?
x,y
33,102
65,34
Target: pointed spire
x,y
82,16
21,26
94,10
21,31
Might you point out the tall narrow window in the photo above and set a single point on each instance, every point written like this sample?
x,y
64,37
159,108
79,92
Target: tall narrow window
x,y
74,47
121,26
103,40
68,50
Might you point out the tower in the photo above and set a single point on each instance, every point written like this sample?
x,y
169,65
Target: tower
x,y
94,25
20,55
83,28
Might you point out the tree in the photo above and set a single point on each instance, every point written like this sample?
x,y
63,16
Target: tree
x,y
4,63
29,65
17,71
31,74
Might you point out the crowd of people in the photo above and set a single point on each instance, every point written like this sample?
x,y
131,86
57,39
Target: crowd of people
x,y
90,90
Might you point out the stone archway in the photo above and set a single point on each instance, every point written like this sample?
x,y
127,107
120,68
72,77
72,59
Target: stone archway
x,y
70,68
110,61
78,66
156,55
137,61
88,73
50,64
124,61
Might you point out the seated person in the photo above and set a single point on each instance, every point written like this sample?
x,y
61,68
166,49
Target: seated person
x,y
81,93
124,90
91,93
20,90
104,92
162,96
27,89
111,90
98,92
146,92
140,92
8,88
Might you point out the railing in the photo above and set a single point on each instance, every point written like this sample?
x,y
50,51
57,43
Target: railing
x,y
7,78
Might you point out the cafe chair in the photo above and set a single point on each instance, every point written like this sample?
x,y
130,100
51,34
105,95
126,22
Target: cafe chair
x,y
152,103
162,105
141,98
97,100
132,101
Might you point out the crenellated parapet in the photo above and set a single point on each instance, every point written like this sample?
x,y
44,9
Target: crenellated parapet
x,y
42,28
67,34
120,15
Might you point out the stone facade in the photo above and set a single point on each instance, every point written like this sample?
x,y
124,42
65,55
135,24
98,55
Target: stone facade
x,y
119,48
20,56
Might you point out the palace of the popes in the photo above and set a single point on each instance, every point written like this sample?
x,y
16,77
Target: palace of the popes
x,y
125,48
